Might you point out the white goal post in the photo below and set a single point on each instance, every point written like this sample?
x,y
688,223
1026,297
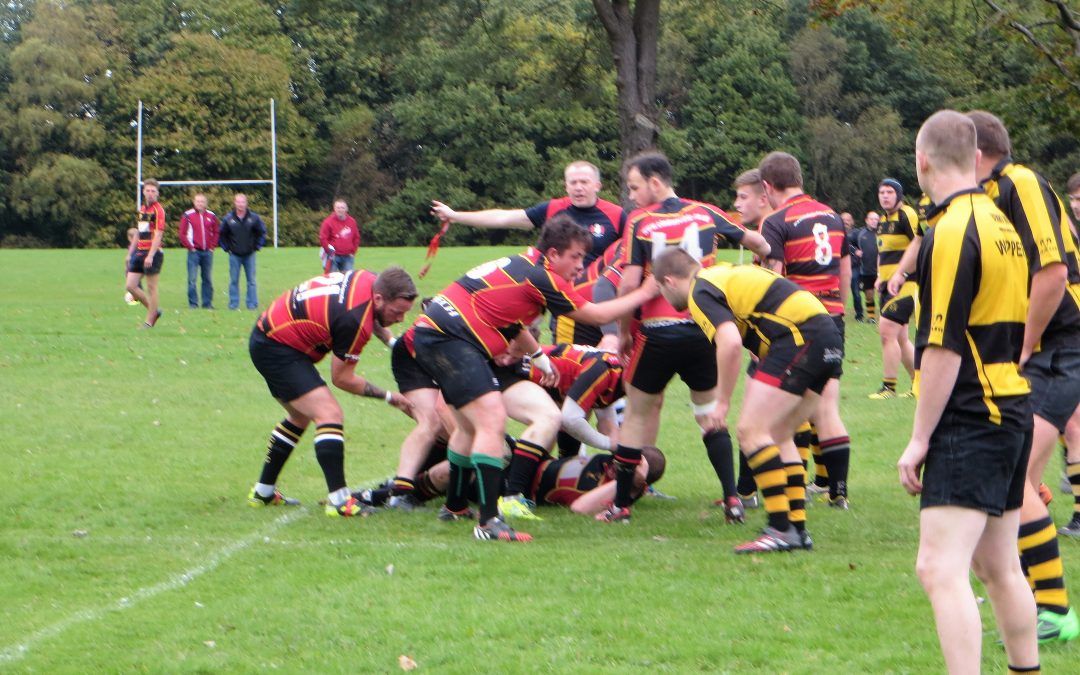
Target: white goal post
x,y
272,181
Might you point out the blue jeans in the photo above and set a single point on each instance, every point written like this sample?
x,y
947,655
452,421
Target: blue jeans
x,y
248,263
856,292
203,260
341,263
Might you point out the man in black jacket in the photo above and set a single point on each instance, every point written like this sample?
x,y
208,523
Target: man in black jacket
x,y
242,235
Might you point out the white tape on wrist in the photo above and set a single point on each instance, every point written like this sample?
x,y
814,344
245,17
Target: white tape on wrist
x,y
704,408
388,396
541,361
391,342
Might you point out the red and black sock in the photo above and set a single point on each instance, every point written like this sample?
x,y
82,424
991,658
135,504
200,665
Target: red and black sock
x,y
426,489
836,458
523,462
626,463
283,439
402,486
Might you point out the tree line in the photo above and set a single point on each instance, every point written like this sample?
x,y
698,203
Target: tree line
x,y
389,103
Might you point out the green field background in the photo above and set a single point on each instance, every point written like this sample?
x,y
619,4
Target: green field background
x,y
127,455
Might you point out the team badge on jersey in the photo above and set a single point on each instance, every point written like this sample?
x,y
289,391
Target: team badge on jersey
x,y
596,229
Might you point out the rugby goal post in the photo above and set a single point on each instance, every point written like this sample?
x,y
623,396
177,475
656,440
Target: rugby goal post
x,y
272,181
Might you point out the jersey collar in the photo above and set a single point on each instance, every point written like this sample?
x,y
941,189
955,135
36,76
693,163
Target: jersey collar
x,y
999,170
948,200
801,197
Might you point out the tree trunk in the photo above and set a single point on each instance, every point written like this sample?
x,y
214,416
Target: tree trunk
x,y
633,35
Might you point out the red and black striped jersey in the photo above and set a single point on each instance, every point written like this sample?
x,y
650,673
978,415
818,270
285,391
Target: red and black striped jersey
x,y
492,303
562,481
693,226
603,220
808,237
590,377
328,313
151,219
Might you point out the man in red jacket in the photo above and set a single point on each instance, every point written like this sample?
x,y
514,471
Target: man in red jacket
x,y
199,235
340,238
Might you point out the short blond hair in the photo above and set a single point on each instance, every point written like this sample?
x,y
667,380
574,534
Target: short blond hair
x,y
948,139
751,178
582,164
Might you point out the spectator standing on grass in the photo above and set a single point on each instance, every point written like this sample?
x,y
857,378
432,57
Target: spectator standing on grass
x,y
339,236
199,235
869,262
148,257
242,235
851,241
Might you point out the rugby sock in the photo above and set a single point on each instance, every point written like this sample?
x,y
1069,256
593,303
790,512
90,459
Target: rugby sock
x,y
626,462
871,308
567,444
522,469
718,445
283,439
821,472
888,383
402,486
1030,669
1072,470
489,476
772,480
426,489
835,459
330,451
802,442
747,487
461,470
796,494
1041,558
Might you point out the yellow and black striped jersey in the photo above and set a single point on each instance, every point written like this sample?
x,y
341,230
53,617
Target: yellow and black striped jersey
x,y
1028,200
895,232
929,213
764,305
972,276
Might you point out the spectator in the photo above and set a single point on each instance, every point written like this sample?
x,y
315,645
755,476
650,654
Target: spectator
x,y
340,238
242,235
869,258
851,241
199,235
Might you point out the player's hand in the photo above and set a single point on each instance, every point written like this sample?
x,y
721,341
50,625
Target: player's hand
x,y
442,211
895,282
649,287
714,421
609,343
877,286
401,403
1025,354
550,379
626,346
910,466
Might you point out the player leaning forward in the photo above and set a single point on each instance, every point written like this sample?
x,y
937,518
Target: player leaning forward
x,y
972,429
799,349
336,313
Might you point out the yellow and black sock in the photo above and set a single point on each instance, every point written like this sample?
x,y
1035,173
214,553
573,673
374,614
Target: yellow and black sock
x,y
772,480
489,472
888,383
330,451
803,437
796,494
871,307
522,469
283,439
1072,470
718,446
836,458
1042,562
626,463
821,472
461,472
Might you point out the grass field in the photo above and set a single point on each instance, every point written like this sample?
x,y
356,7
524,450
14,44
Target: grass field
x,y
127,455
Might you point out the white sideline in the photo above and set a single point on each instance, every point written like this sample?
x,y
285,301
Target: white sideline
x,y
17,651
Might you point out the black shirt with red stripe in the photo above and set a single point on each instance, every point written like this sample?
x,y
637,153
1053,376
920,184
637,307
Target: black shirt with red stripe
x,y
328,313
490,305
808,237
603,220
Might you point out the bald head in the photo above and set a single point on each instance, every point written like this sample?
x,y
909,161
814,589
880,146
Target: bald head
x,y
946,154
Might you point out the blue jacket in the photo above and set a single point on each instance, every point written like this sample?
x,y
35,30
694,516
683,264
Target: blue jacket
x,y
242,236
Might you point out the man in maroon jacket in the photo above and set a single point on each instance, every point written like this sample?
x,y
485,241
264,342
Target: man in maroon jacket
x,y
199,235
340,238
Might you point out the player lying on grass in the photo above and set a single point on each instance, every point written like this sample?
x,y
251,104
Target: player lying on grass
x,y
798,349
336,313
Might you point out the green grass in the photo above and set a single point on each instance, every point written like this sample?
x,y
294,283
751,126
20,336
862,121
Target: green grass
x,y
127,455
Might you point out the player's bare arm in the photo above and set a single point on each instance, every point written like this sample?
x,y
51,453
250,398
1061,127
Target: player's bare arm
x,y
343,375
728,366
514,219
906,267
1047,289
937,377
597,314
756,243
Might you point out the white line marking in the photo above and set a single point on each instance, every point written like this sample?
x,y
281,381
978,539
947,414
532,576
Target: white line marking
x,y
17,651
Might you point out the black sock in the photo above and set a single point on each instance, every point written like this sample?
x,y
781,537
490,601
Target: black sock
x,y
426,489
567,444
836,457
718,445
489,476
330,451
283,439
461,471
403,486
522,469
747,487
626,463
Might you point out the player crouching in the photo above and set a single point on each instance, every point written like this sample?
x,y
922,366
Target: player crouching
x,y
798,350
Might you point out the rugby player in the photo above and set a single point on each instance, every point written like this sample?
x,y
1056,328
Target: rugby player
x,y
972,425
1051,352
603,220
895,234
798,350
334,313
473,320
148,257
808,246
667,342
599,283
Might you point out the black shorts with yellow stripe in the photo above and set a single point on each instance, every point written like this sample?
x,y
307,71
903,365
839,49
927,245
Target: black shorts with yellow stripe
x,y
900,307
